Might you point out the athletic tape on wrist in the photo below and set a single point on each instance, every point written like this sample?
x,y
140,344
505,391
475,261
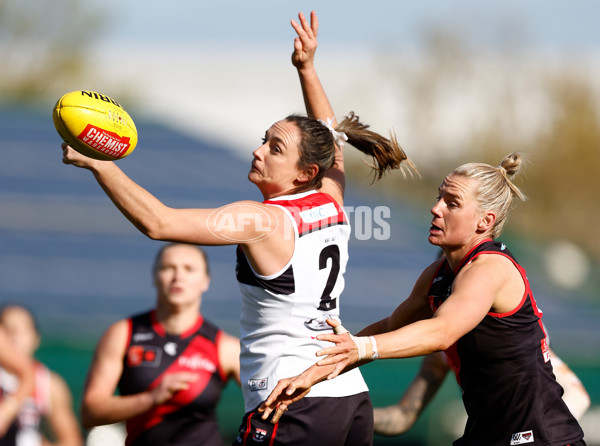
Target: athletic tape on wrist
x,y
361,345
360,342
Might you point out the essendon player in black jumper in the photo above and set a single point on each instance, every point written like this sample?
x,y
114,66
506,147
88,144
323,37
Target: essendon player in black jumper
x,y
475,304
169,364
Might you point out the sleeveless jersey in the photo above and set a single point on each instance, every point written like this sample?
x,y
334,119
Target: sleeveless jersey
x,y
503,366
189,417
25,430
283,313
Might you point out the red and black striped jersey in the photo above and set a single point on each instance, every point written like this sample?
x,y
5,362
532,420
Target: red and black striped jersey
x,y
189,418
503,366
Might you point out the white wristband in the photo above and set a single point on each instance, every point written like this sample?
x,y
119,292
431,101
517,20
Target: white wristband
x,y
375,353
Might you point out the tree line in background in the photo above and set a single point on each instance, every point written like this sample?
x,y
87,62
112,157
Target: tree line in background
x,y
43,44
545,109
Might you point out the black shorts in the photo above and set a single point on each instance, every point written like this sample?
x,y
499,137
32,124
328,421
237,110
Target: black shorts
x,y
339,421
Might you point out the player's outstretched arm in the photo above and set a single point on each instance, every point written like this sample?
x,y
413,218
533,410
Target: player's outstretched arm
x,y
315,99
303,58
160,222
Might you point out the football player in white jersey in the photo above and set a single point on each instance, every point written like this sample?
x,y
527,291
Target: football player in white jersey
x,y
50,400
292,250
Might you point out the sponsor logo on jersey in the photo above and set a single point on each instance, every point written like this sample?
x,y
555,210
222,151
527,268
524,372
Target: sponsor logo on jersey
x,y
521,438
197,362
319,213
545,349
104,141
139,337
259,435
502,247
170,348
143,356
258,384
320,323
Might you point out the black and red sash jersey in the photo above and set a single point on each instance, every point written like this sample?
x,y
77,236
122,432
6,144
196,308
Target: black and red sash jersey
x,y
503,366
189,418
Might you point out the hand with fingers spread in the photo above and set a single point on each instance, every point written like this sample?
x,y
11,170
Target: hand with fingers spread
x,y
290,390
348,349
286,392
305,44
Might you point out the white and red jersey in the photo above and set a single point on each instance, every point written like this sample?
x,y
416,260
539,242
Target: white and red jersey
x,y
283,313
25,430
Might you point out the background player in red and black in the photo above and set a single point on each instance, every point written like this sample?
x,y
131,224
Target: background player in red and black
x,y
169,364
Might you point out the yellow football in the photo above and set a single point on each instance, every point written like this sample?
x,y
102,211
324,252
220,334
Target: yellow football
x,y
95,125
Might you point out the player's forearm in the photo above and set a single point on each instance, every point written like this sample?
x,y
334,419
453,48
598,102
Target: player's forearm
x,y
378,327
417,339
100,411
315,100
139,206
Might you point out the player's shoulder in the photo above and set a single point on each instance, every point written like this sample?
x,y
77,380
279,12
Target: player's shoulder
x,y
117,334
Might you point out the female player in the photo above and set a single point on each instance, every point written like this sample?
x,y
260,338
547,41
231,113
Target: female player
x,y
50,400
476,305
169,364
21,367
292,252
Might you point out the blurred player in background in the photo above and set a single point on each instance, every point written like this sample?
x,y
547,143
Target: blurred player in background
x,y
50,403
291,256
169,364
400,417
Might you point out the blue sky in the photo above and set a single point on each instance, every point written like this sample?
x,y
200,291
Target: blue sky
x,y
549,26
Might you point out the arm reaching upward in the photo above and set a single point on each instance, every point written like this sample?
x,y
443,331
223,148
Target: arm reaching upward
x,y
315,100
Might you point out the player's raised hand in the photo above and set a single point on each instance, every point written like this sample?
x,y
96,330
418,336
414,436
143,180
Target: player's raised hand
x,y
305,44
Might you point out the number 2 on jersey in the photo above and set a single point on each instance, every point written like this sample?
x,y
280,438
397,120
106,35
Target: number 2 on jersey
x,y
329,252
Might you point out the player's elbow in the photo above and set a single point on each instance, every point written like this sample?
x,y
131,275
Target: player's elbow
x,y
155,228
442,340
87,420
89,416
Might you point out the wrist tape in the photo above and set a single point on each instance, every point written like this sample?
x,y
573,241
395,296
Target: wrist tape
x,y
361,343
